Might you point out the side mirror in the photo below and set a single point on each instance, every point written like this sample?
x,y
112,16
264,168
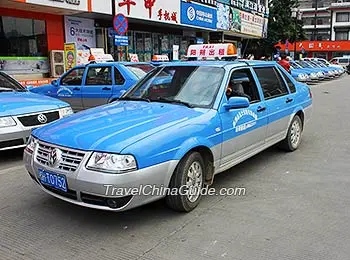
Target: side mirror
x,y
54,83
236,103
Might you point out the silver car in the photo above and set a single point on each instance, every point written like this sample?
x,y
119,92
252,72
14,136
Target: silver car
x,y
21,111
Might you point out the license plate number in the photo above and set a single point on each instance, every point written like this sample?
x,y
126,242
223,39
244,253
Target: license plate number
x,y
54,180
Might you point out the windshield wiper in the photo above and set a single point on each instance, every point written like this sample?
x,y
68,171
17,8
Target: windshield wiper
x,y
134,99
173,101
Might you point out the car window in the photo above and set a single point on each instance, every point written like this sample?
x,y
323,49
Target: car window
x,y
9,84
140,70
271,82
99,76
288,80
118,77
242,84
73,78
344,60
189,84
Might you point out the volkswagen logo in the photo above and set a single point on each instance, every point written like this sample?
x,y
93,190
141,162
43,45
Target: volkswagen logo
x,y
191,13
54,157
42,119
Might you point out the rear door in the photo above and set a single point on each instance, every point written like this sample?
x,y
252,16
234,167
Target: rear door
x,y
70,88
97,88
278,102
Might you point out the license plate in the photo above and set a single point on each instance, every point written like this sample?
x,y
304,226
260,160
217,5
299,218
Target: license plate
x,y
54,180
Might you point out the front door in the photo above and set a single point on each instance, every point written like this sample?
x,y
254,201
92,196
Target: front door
x,y
244,130
98,86
69,88
278,101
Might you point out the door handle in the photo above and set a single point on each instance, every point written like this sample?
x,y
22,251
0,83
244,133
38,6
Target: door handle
x,y
289,100
76,88
261,109
106,88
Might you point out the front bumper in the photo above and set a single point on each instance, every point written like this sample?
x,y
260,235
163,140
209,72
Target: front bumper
x,y
89,188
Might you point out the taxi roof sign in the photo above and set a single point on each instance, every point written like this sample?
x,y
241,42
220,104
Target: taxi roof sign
x,y
160,58
211,50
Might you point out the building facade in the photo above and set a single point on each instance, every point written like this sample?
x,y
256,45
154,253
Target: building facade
x,y
31,30
327,27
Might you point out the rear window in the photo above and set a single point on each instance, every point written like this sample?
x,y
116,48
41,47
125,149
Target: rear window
x,y
343,60
140,70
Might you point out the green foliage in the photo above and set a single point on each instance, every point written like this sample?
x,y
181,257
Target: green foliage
x,y
282,26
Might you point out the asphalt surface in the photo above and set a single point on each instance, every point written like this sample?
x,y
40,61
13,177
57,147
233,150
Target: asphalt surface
x,y
297,207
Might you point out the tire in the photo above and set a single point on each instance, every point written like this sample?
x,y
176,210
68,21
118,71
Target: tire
x,y
192,163
294,135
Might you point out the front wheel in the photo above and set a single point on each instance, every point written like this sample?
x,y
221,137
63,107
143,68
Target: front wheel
x,y
188,181
294,134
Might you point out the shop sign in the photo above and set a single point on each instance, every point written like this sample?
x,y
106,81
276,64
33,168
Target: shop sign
x,y
120,40
24,65
80,31
245,23
250,6
164,11
70,55
198,15
72,2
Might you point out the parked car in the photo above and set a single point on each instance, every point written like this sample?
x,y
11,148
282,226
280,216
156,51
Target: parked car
x,y
343,61
333,71
95,84
205,118
321,73
328,64
313,74
22,111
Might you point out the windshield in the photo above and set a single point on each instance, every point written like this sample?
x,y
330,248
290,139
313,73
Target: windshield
x,y
314,64
8,84
295,65
190,85
304,64
140,70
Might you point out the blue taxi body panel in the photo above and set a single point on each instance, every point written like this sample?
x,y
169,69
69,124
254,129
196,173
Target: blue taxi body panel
x,y
155,132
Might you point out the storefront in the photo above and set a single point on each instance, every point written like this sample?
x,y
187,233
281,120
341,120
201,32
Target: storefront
x,y
164,27
320,49
31,29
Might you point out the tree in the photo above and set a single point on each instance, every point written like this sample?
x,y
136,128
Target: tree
x,y
281,27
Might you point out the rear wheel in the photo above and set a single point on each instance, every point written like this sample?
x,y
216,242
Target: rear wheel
x,y
294,135
188,179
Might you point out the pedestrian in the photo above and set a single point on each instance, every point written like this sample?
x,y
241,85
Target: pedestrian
x,y
284,62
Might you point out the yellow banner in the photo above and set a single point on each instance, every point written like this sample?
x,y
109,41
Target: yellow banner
x,y
70,55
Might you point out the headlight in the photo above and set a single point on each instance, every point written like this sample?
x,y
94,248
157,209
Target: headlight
x,y
111,163
7,121
67,111
31,145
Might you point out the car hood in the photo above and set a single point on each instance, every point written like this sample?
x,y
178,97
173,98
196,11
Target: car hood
x,y
43,89
17,103
113,127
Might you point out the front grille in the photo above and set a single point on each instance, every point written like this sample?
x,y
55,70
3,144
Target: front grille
x,y
69,161
33,120
11,143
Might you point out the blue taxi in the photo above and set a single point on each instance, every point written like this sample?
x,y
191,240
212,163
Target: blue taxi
x,y
94,84
174,130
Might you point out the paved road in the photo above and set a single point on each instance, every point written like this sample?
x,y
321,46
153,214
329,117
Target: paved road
x,y
297,207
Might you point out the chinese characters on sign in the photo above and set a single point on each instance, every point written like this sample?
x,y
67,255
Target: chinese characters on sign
x,y
165,11
248,5
165,15
80,31
208,50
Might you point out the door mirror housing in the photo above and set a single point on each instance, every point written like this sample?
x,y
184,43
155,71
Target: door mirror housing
x,y
236,103
54,83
